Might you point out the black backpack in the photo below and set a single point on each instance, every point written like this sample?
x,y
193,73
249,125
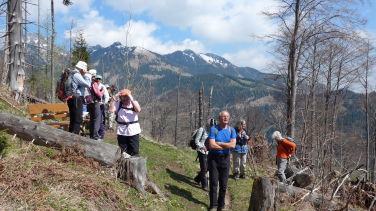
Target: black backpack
x,y
192,141
64,89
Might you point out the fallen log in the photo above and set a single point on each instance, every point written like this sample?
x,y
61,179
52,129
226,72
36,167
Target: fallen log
x,y
107,154
265,191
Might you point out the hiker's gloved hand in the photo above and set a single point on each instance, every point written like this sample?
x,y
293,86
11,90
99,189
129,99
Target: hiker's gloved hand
x,y
130,97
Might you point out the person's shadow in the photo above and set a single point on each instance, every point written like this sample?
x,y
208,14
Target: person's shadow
x,y
179,191
179,177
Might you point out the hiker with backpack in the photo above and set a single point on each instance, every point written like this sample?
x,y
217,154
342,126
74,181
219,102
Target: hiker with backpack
x,y
200,141
222,138
76,85
126,111
92,101
239,153
103,104
285,149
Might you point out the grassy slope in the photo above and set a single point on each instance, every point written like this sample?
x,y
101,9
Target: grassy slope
x,y
34,177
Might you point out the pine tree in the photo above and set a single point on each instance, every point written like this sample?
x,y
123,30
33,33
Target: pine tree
x,y
80,52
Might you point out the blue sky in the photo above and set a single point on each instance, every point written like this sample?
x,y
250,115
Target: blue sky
x,y
225,27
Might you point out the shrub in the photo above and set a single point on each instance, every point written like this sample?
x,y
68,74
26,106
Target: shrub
x,y
3,143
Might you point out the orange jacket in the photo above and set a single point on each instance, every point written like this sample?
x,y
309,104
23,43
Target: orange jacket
x,y
285,148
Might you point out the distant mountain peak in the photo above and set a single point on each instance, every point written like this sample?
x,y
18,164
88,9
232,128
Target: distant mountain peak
x,y
117,45
215,59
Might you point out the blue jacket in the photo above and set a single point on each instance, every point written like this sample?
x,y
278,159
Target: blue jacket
x,y
79,83
241,143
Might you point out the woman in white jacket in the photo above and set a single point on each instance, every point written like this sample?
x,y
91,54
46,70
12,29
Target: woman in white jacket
x,y
202,153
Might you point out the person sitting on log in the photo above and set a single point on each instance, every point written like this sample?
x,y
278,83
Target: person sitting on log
x,y
126,115
285,149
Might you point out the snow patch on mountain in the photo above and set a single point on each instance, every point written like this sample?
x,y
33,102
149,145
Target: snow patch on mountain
x,y
212,60
189,55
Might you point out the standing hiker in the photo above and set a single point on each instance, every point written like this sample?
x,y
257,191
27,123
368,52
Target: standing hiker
x,y
202,153
102,105
239,153
75,103
94,108
222,138
128,129
285,149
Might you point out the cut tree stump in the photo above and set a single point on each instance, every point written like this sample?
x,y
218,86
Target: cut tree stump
x,y
265,192
132,170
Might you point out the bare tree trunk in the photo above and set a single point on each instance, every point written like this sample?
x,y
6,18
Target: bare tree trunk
x,y
177,112
292,75
366,112
16,56
210,103
52,51
200,107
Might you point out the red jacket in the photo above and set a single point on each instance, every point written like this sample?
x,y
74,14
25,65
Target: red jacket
x,y
285,148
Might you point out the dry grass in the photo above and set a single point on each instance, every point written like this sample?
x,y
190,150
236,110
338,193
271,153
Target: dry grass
x,y
32,180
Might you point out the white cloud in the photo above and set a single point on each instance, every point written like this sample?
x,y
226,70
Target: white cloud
x,y
45,8
215,20
99,30
254,57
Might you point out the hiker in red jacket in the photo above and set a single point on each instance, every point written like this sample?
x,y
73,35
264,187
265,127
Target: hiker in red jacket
x,y
285,149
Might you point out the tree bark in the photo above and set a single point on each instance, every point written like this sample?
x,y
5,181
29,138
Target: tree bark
x,y
16,57
265,192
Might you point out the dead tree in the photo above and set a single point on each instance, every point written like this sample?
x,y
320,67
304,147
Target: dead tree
x,y
177,112
200,107
16,57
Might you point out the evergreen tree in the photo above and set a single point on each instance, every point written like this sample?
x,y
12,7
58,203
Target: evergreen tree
x,y
80,52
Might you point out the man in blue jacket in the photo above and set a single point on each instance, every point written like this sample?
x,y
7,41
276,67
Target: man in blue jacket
x,y
222,138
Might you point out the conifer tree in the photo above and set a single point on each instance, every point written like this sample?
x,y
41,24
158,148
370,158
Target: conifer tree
x,y
80,52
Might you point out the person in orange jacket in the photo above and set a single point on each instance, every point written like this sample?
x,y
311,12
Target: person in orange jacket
x,y
285,149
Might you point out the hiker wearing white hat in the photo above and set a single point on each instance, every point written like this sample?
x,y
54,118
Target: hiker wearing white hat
x,y
75,103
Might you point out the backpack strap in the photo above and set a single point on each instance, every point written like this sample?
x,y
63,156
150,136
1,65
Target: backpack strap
x,y
117,114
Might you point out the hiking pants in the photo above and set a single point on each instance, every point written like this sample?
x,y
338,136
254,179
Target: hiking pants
x,y
219,166
203,159
283,165
129,144
103,122
95,119
239,161
75,113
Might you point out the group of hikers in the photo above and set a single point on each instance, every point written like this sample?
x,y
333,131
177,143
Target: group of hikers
x,y
215,142
85,93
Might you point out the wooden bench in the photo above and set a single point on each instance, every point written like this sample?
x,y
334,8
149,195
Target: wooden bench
x,y
53,112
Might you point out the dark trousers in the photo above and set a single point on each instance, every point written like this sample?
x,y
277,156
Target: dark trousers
x,y
95,119
129,144
219,166
203,159
102,123
75,114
